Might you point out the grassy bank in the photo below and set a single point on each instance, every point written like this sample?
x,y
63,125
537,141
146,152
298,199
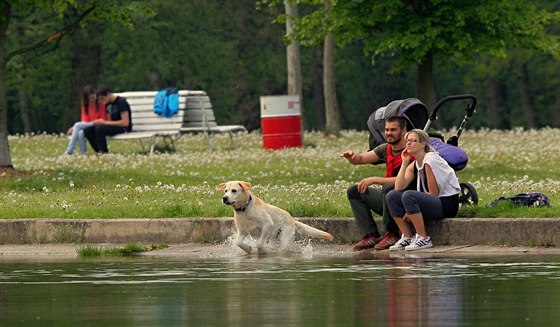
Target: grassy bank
x,y
130,249
308,182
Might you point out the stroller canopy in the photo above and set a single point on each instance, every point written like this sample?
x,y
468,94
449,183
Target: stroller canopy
x,y
412,110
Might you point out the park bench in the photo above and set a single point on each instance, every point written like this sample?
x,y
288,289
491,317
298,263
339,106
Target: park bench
x,y
195,115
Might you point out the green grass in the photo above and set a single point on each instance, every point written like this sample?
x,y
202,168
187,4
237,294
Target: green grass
x,y
89,251
308,182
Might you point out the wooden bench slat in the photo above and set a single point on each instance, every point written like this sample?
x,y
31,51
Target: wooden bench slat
x,y
184,102
139,94
215,129
189,114
147,134
199,125
155,119
156,128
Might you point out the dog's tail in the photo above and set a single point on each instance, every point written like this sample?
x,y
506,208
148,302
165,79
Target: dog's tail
x,y
312,231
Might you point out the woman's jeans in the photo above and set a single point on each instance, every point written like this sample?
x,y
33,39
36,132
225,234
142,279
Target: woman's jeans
x,y
413,202
78,137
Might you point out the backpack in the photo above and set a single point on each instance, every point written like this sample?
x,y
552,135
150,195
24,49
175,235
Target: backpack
x,y
166,102
531,199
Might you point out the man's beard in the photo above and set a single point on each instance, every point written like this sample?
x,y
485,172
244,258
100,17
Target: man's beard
x,y
395,141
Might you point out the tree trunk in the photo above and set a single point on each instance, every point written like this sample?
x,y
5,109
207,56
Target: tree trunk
x,y
555,116
292,52
293,57
425,86
317,91
5,157
332,115
523,87
492,115
24,108
425,82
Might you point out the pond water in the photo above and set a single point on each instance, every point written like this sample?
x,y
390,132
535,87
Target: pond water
x,y
279,290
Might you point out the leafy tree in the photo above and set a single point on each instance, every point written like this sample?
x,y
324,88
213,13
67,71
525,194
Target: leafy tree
x,y
232,51
63,17
227,48
417,32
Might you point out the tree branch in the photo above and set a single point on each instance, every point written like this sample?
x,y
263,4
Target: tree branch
x,y
53,37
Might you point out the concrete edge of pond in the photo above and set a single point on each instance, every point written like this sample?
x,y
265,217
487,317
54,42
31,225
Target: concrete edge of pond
x,y
499,234
190,251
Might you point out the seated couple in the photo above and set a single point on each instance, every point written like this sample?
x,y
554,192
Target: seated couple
x,y
102,114
418,184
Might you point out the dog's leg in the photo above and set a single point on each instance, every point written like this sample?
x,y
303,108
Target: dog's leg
x,y
287,236
266,234
240,243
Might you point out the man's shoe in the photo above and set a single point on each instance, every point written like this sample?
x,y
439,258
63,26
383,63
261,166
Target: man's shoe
x,y
367,242
386,241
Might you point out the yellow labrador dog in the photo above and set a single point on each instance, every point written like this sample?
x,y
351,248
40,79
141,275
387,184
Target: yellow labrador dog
x,y
253,214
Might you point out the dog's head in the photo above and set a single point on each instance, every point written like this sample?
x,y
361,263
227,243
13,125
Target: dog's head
x,y
236,193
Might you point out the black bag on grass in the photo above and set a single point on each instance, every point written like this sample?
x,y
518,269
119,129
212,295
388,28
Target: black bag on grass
x,y
531,199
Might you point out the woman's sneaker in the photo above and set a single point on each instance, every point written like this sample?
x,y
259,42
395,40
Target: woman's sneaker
x,y
402,243
420,243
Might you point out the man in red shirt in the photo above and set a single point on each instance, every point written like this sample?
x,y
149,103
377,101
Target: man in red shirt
x,y
364,198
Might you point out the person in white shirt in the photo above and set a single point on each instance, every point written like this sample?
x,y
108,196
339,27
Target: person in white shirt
x,y
436,195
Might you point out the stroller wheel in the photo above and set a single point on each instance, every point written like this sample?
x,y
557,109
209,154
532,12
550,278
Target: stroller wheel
x,y
468,195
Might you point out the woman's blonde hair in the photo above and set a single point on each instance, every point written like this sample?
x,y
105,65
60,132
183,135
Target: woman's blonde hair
x,y
423,137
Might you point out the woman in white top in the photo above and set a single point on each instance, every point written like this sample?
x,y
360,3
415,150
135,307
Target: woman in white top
x,y
436,195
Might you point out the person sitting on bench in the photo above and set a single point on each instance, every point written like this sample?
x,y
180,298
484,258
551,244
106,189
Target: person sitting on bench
x,y
120,120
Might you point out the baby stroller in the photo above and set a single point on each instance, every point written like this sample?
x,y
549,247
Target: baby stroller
x,y
416,115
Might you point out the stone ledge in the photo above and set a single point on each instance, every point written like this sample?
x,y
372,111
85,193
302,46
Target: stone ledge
x,y
454,231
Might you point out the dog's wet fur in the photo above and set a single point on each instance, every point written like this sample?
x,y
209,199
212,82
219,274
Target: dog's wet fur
x,y
253,215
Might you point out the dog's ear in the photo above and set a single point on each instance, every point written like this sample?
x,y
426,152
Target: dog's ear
x,y
221,187
245,185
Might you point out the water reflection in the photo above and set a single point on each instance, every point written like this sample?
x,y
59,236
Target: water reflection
x,y
379,289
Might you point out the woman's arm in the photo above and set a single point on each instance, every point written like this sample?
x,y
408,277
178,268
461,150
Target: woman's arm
x,y
431,180
405,175
406,171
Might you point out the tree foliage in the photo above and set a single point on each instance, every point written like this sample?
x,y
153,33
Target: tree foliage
x,y
455,30
236,53
419,32
49,22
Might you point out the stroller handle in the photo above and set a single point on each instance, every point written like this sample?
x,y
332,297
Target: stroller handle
x,y
470,107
